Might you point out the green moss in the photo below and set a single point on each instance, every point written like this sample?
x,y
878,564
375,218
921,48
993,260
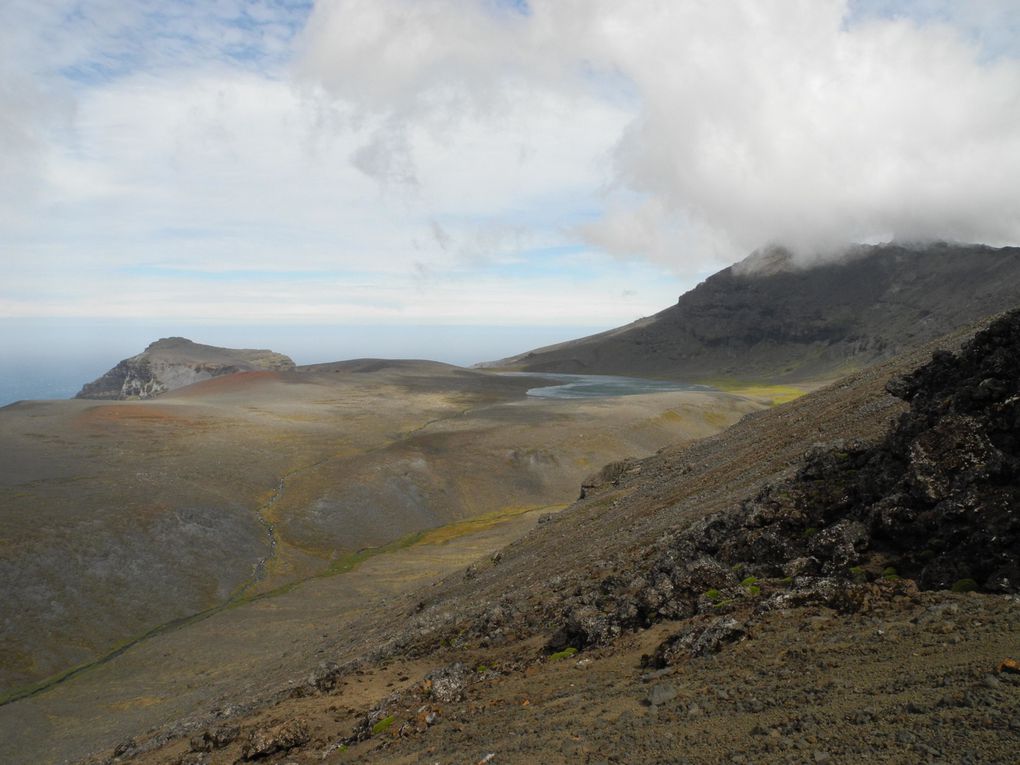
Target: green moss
x,y
859,574
786,581
761,389
383,725
713,594
754,590
566,653
481,668
964,585
809,532
749,581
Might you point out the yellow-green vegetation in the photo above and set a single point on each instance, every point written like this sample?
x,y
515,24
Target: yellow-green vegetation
x,y
349,561
339,565
383,725
713,594
566,653
48,682
479,523
774,394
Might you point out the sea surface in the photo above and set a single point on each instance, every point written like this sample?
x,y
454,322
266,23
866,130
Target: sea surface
x,y
600,386
37,380
45,359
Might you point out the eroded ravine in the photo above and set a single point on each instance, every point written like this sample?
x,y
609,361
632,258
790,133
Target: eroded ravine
x,y
260,572
216,655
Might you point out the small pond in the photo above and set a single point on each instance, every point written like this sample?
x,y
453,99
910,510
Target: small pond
x,y
599,386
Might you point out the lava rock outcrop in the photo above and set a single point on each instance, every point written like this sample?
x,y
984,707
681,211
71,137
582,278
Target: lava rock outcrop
x,y
936,501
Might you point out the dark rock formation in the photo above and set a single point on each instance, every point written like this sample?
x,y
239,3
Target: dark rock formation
x,y
769,317
174,362
937,500
266,741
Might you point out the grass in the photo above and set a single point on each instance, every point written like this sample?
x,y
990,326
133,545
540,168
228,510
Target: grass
x,y
383,725
775,394
478,523
340,565
566,653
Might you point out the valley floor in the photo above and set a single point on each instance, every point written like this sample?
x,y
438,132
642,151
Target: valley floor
x,y
235,654
470,669
149,525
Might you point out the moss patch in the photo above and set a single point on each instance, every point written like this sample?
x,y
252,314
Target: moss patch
x,y
383,725
566,653
773,394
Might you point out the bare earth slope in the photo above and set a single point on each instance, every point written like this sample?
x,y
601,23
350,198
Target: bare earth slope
x,y
174,362
122,517
683,656
767,318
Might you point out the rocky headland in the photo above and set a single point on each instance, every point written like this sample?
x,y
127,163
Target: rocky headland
x,y
173,362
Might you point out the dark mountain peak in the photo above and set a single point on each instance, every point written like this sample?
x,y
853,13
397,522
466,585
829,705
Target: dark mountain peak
x,y
778,316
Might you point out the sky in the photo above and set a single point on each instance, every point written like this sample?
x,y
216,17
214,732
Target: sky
x,y
347,172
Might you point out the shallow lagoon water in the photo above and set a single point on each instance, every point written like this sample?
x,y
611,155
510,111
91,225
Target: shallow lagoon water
x,y
600,386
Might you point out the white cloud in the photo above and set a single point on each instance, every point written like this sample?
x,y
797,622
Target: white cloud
x,y
413,159
809,123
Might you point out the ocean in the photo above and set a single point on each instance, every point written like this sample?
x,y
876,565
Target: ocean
x,y
53,359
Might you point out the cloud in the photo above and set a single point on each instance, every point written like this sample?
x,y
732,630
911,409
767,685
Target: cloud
x,y
762,126
426,160
811,124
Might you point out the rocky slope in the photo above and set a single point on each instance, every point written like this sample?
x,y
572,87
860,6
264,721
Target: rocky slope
x,y
174,362
767,317
732,601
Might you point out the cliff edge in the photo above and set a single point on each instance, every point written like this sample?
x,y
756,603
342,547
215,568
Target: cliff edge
x,y
173,362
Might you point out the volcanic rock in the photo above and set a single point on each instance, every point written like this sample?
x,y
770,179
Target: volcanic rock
x,y
174,362
774,317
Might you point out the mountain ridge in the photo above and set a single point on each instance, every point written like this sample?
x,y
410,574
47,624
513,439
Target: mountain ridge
x,y
773,317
